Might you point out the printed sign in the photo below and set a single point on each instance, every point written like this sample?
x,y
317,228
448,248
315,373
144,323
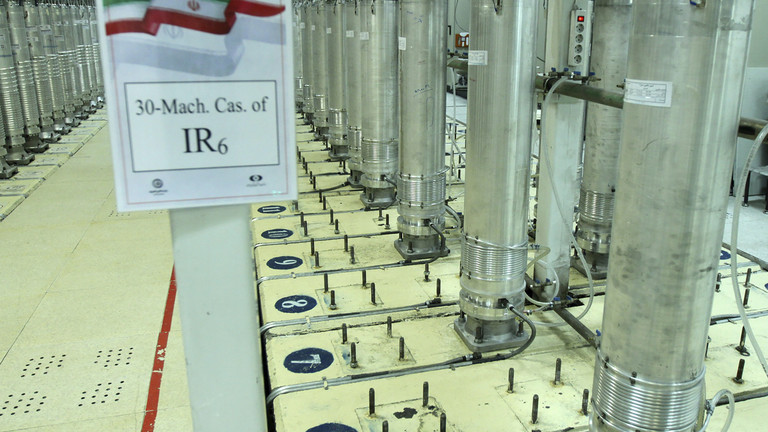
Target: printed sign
x,y
308,360
200,96
295,304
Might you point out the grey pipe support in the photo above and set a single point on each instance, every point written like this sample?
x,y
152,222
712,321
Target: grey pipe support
x,y
421,180
665,245
499,137
610,45
380,113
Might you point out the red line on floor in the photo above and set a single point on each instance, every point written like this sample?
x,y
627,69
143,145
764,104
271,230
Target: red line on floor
x,y
150,413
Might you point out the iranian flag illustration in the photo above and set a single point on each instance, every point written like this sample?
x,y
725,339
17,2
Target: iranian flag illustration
x,y
208,16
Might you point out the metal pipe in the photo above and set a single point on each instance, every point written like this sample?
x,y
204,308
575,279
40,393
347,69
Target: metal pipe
x,y
354,103
380,120
501,108
320,68
692,57
610,45
307,61
748,127
421,180
337,112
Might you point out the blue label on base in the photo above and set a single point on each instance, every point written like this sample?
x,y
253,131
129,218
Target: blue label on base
x,y
332,427
295,304
284,262
308,360
276,234
271,209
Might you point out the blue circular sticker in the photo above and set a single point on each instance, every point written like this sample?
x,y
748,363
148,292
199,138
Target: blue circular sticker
x,y
295,304
276,234
271,209
332,427
284,262
724,255
308,360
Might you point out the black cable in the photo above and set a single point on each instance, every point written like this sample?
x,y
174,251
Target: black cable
x,y
346,183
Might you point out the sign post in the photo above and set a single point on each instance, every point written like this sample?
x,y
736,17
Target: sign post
x,y
200,99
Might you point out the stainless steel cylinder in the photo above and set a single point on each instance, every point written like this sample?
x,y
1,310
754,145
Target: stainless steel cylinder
x,y
380,113
501,107
298,73
421,179
81,33
75,57
86,46
354,98
12,113
337,112
307,61
610,40
54,68
683,91
41,71
320,67
24,71
58,23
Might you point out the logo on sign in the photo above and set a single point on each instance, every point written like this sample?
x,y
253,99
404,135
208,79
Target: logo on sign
x,y
157,187
308,360
295,304
277,234
255,178
271,209
284,263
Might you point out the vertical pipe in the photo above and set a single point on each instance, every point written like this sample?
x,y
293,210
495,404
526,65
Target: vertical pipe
x,y
421,180
563,133
354,77
610,41
320,68
501,108
307,61
380,122
665,245
337,113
